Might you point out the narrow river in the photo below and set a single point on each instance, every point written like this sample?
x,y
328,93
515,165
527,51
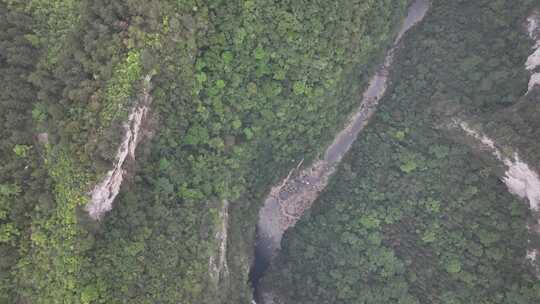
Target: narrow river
x,y
287,201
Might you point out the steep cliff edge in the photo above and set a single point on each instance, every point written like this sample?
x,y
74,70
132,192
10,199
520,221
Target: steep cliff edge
x,y
103,194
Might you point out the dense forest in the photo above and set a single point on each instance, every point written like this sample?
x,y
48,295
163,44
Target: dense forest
x,y
241,91
417,213
238,93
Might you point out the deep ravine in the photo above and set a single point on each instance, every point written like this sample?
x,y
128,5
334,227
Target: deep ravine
x,y
288,200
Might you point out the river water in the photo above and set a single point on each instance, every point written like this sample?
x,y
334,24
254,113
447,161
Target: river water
x,y
287,201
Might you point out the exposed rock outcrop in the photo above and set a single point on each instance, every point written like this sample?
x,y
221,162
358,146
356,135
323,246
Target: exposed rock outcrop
x,y
103,194
519,178
219,268
533,62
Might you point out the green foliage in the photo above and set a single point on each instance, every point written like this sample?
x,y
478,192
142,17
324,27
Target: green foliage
x,y
453,266
39,113
21,150
89,295
21,177
242,91
8,232
55,20
230,120
41,230
418,217
408,166
120,88
54,238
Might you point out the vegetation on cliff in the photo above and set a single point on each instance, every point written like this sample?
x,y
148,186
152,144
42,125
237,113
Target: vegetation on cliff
x,y
240,88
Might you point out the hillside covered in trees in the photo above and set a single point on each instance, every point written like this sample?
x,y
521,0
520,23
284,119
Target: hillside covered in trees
x,y
139,139
240,91
418,211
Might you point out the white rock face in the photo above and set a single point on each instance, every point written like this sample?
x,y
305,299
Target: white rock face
x,y
534,81
523,182
532,257
104,193
219,268
532,254
533,62
533,27
520,179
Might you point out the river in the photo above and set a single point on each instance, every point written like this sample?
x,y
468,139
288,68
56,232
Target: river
x,y
288,200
